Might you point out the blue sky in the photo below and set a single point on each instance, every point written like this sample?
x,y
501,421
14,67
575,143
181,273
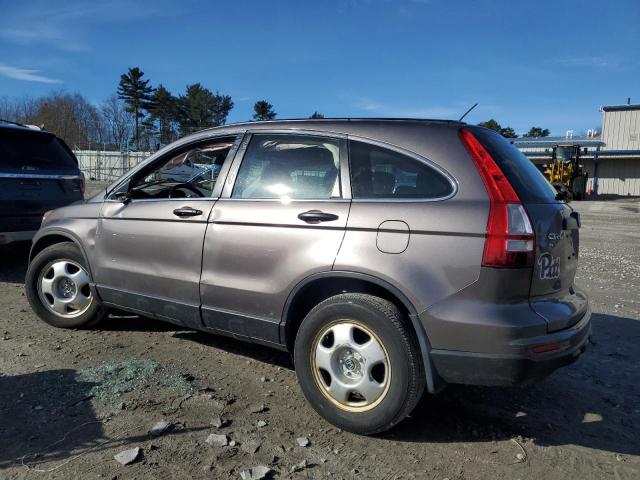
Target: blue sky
x,y
546,63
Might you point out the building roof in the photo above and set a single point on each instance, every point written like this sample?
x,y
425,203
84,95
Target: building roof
x,y
542,142
619,108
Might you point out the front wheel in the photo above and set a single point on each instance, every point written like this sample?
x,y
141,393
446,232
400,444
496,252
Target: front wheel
x,y
358,363
57,287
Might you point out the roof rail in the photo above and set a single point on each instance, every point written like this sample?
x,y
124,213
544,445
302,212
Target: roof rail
x,y
11,122
32,127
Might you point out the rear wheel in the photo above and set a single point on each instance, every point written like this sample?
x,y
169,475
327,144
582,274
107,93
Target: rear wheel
x,y
358,364
57,287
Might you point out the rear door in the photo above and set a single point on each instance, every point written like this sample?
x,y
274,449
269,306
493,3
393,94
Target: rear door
x,y
553,294
281,218
37,173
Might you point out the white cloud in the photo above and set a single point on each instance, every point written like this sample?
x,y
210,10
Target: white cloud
x,y
25,74
68,25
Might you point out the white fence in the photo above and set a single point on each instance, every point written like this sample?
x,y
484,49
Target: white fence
x,y
107,166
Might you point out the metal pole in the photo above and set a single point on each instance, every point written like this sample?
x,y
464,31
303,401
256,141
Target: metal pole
x,y
595,171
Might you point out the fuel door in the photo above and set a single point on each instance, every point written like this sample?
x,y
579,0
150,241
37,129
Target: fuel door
x,y
393,236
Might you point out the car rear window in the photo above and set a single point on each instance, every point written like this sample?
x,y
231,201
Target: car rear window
x,y
525,178
24,151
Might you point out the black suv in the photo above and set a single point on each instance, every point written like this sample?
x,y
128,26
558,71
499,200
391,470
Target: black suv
x,y
38,172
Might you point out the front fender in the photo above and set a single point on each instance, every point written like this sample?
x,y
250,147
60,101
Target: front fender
x,y
75,223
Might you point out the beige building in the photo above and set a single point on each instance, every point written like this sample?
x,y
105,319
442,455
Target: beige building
x,y
611,156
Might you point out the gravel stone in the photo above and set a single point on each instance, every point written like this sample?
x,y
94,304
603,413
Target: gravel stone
x,y
127,457
160,428
255,473
217,440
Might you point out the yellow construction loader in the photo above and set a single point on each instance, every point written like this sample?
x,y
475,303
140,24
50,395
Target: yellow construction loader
x,y
565,172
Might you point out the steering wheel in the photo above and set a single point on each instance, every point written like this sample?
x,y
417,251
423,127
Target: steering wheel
x,y
186,186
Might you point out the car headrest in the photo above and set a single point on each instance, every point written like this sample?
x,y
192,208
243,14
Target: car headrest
x,y
383,182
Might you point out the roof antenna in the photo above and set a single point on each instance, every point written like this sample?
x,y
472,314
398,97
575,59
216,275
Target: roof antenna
x,y
467,112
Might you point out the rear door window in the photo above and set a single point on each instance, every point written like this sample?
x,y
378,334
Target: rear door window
x,y
25,151
378,172
528,182
289,166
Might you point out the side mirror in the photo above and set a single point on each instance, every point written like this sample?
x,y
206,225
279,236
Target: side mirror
x,y
123,197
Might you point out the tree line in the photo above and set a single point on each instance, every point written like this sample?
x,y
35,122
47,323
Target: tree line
x,y
509,132
140,116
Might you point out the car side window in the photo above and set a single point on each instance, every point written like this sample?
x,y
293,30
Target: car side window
x,y
378,172
289,167
191,173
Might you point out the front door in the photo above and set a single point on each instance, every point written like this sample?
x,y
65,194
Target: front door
x,y
282,220
151,232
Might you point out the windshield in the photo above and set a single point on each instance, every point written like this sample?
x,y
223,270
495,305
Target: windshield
x,y
565,154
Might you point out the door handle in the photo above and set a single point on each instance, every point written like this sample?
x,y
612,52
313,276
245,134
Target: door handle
x,y
184,212
317,216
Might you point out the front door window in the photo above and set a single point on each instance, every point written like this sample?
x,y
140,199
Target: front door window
x,y
192,173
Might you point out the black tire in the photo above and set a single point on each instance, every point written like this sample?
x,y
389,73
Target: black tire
x,y
398,340
60,251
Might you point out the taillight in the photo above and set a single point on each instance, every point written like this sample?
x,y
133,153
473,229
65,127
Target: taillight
x,y
82,182
510,238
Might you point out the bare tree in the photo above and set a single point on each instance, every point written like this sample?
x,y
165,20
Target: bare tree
x,y
119,122
21,110
71,117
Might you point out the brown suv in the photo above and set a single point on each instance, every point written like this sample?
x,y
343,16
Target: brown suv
x,y
388,256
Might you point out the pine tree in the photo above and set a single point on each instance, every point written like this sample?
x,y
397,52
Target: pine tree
x,y
200,108
508,132
163,108
136,94
263,111
537,132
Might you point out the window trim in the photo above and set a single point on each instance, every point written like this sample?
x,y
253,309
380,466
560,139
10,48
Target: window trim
x,y
152,162
345,188
394,148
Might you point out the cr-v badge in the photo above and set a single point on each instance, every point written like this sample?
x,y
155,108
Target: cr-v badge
x,y
549,266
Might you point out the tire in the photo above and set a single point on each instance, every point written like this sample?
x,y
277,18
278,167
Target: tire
x,y
392,389
64,263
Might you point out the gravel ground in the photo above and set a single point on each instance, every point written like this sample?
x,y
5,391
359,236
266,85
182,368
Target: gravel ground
x,y
71,400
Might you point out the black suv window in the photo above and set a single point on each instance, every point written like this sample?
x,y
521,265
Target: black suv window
x,y
378,172
32,151
289,166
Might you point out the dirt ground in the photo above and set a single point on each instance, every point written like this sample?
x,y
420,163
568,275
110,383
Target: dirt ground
x,y
71,400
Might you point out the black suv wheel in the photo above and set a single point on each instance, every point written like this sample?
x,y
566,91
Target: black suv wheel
x,y
358,364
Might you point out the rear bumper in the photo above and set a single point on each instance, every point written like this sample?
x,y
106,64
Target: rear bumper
x,y
521,367
9,237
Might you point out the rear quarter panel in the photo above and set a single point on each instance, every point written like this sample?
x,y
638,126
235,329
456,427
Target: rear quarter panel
x,y
446,238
